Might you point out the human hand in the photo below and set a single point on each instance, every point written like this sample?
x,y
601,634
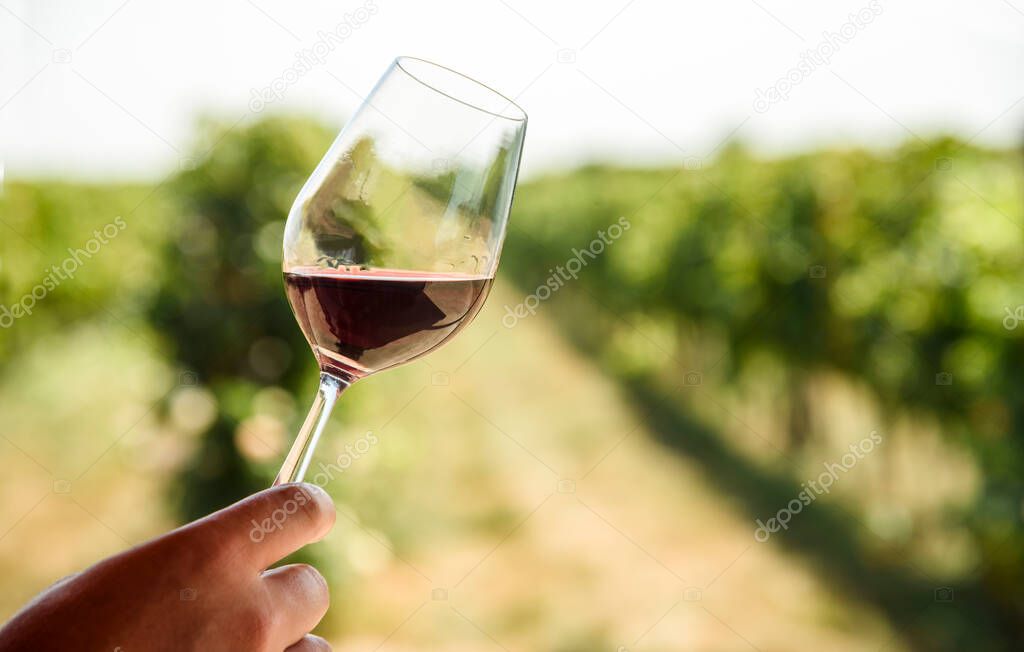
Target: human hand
x,y
204,586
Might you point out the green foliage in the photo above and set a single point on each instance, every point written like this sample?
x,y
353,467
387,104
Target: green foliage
x,y
49,248
220,303
894,270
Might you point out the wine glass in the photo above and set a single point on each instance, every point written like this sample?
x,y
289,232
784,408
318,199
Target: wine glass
x,y
392,244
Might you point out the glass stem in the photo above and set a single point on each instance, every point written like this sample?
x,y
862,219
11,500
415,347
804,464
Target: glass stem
x,y
301,453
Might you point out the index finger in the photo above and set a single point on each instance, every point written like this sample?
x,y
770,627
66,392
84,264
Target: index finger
x,y
276,522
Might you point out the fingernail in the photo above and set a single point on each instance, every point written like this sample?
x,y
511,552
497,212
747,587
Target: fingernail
x,y
324,502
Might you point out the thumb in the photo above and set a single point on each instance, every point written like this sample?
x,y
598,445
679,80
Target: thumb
x,y
274,523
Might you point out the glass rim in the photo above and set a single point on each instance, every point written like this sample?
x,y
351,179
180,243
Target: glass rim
x,y
519,114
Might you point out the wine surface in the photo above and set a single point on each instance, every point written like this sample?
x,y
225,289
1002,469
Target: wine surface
x,y
362,321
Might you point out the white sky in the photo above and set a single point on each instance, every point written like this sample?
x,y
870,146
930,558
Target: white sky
x,y
652,80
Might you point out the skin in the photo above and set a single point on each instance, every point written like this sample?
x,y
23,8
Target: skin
x,y
205,586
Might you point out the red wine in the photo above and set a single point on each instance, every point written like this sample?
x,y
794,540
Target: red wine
x,y
362,321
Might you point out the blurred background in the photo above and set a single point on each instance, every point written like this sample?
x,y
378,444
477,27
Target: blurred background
x,y
779,411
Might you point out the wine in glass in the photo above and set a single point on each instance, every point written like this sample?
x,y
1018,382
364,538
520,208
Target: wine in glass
x,y
391,245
